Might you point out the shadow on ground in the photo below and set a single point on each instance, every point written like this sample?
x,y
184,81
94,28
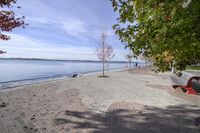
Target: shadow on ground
x,y
105,76
173,119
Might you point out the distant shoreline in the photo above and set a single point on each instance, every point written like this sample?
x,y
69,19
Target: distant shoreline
x,y
64,60
38,59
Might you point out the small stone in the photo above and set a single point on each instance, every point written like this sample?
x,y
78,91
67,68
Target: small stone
x,y
25,127
32,118
74,75
197,121
68,130
3,105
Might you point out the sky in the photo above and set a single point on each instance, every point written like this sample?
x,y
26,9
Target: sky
x,y
62,29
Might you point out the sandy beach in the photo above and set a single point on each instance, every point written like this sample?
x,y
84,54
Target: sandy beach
x,y
125,102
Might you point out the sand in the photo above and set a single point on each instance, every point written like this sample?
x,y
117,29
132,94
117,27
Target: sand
x,y
125,102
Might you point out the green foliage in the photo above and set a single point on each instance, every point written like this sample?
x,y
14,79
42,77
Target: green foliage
x,y
153,27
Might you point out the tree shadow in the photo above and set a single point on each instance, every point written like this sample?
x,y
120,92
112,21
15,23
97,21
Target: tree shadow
x,y
105,76
173,119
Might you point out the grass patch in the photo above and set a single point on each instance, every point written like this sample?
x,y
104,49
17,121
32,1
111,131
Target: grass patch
x,y
193,67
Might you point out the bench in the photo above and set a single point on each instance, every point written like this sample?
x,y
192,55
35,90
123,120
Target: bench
x,y
189,86
181,80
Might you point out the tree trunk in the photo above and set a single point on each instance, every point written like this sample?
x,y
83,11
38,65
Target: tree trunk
x,y
103,67
130,66
173,70
103,58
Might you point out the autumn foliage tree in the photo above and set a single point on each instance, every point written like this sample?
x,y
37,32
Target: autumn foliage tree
x,y
8,19
104,51
160,28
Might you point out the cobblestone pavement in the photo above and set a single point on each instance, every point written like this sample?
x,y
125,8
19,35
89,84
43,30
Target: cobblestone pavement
x,y
122,103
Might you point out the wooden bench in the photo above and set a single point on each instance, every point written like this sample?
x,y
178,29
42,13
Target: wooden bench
x,y
189,86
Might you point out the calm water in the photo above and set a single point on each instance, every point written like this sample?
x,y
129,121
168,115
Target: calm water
x,y
18,72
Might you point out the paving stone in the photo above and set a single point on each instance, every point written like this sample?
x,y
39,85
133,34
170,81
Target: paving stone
x,y
53,131
9,128
26,124
2,127
17,128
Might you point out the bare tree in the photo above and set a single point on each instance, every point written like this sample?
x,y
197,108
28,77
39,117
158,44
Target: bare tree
x,y
104,51
129,58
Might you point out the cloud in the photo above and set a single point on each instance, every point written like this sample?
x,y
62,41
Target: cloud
x,y
62,29
74,26
27,47
71,26
36,21
24,41
52,53
72,53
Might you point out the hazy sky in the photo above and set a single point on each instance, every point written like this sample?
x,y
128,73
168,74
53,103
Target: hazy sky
x,y
62,29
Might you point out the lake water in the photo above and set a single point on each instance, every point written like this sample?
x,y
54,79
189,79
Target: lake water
x,y
18,72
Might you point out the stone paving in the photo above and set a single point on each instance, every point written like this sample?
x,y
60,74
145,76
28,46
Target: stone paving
x,y
12,122
123,102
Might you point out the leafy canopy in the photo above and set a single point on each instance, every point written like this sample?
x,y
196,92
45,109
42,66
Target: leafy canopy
x,y
161,28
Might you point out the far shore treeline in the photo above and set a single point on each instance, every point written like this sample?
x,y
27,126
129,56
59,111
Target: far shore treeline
x,y
65,60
